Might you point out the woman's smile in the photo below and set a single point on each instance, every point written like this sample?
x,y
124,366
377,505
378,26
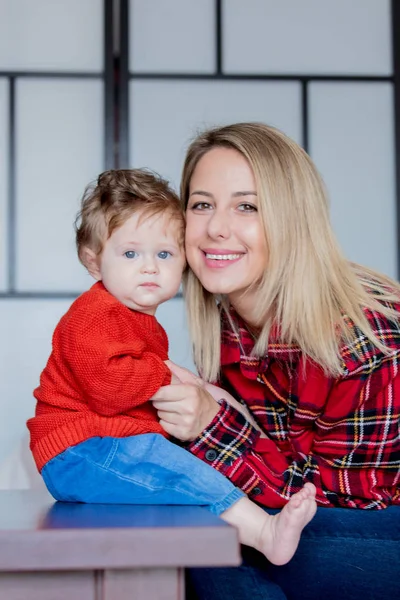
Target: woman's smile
x,y
219,259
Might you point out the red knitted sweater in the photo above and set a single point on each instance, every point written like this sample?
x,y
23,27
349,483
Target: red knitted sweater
x,y
107,361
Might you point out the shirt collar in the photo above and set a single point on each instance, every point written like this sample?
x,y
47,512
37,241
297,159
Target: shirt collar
x,y
236,346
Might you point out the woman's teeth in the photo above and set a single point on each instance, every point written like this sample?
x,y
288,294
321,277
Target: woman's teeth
x,y
223,256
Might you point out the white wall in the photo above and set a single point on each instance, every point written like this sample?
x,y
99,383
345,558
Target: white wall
x,y
351,123
59,141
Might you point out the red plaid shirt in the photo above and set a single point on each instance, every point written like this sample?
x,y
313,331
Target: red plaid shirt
x,y
342,434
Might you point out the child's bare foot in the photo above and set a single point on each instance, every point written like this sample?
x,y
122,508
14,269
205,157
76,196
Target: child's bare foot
x,y
280,534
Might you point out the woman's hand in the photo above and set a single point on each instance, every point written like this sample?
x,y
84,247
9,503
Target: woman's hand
x,y
220,394
184,409
180,374
174,379
184,375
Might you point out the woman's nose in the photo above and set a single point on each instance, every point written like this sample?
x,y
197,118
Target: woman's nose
x,y
219,225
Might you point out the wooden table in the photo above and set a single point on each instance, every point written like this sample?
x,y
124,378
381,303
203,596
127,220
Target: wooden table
x,y
63,551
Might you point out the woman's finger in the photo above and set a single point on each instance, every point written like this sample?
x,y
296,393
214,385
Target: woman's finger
x,y
174,393
176,431
168,417
183,374
174,379
195,408
167,406
167,427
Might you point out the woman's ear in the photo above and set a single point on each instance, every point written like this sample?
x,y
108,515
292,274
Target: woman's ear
x,y
91,261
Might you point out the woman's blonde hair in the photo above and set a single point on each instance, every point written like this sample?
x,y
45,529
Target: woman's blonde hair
x,y
309,290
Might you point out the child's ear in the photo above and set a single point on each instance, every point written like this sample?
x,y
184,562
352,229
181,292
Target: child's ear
x,y
91,261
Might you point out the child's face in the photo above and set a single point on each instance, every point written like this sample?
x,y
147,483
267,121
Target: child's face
x,y
141,263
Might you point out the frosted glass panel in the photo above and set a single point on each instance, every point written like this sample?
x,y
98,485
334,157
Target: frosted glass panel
x,y
307,36
172,35
352,143
26,328
66,35
3,182
60,148
164,116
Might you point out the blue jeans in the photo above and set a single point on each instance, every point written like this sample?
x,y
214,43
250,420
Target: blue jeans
x,y
344,554
143,469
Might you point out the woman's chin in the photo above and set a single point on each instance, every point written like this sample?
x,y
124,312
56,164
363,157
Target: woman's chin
x,y
216,283
217,288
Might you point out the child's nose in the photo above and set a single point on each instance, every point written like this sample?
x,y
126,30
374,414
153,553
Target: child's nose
x,y
149,266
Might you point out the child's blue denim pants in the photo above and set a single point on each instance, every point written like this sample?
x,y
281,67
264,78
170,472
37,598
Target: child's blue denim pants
x,y
142,469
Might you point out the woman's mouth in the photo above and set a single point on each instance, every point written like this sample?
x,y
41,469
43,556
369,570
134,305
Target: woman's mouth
x,y
219,260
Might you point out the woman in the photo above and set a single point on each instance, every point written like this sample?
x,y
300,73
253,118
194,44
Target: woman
x,y
310,345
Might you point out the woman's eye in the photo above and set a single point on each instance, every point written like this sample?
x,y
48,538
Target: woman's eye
x,y
201,206
164,254
130,254
247,207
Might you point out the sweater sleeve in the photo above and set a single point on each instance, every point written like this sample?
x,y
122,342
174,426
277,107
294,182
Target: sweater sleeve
x,y
345,442
114,369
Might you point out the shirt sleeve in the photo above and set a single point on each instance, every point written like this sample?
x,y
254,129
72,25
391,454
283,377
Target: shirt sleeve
x,y
343,438
113,369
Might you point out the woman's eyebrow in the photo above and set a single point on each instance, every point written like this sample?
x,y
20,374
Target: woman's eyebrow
x,y
201,193
238,194
234,195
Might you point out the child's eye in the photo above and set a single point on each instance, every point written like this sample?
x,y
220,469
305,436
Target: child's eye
x,y
130,254
164,254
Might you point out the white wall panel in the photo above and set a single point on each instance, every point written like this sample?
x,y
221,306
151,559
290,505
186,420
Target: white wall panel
x,y
165,116
26,328
172,317
172,35
51,35
59,150
307,36
4,132
351,141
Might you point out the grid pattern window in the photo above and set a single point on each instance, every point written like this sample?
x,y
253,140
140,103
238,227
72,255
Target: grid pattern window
x,y
52,73
318,37
4,163
314,69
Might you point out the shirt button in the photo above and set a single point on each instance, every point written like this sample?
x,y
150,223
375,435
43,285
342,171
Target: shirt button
x,y
211,455
256,491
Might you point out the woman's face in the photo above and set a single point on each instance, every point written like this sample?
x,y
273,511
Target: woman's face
x,y
225,241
